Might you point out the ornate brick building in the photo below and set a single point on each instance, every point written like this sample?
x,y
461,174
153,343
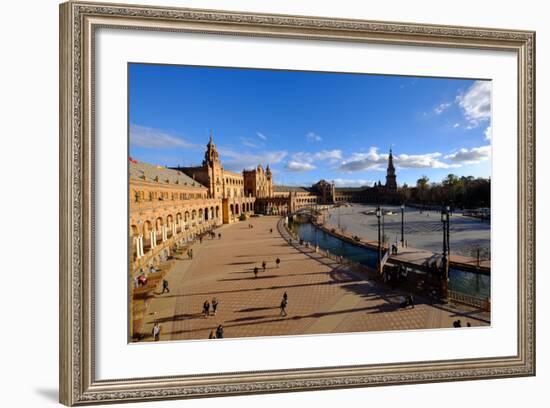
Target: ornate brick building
x,y
258,183
222,184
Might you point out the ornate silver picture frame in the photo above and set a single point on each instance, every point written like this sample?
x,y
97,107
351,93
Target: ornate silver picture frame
x,y
78,24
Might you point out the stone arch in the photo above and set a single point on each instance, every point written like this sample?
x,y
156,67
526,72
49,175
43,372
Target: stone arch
x,y
217,211
178,222
169,224
134,234
231,210
206,217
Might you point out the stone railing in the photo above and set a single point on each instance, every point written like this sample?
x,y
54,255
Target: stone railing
x,y
480,303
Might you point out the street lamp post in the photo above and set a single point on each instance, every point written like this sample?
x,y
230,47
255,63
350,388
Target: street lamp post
x,y
402,225
445,261
383,226
378,215
448,232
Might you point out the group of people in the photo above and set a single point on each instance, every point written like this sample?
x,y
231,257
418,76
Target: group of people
x,y
458,323
206,307
218,334
264,266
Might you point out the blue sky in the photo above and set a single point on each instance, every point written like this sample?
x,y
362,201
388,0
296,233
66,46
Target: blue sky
x,y
311,125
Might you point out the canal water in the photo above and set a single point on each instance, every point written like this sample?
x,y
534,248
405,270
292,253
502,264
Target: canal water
x,y
466,282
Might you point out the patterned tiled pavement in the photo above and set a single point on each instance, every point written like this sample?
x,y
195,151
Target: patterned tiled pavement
x,y
323,296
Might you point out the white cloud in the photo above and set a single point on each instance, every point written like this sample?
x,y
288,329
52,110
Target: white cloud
x,y
421,161
339,182
143,136
299,166
249,143
304,161
237,161
441,108
261,135
313,137
331,155
488,132
364,161
470,156
372,160
476,103
456,125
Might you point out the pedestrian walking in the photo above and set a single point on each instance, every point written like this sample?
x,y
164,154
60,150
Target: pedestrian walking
x,y
206,308
219,236
212,335
271,230
255,271
219,332
277,261
264,264
165,288
156,332
285,297
214,306
283,307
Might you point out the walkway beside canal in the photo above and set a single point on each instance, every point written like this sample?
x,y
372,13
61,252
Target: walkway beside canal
x,y
323,295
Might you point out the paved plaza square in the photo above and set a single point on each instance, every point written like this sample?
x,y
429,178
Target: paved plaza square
x,y
323,295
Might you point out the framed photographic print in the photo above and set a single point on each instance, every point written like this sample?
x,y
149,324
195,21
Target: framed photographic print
x,y
261,203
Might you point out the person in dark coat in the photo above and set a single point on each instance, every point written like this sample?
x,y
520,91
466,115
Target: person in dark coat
x,y
165,286
214,305
219,332
283,307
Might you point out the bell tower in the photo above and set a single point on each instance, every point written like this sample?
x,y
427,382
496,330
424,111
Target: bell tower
x,y
215,171
391,179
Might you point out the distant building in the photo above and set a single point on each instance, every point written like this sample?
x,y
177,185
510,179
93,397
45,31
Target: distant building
x,y
258,183
326,193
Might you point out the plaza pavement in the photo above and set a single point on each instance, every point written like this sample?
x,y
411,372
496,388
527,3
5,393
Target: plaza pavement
x,y
323,296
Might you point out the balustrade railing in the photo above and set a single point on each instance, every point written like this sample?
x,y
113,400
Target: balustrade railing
x,y
481,303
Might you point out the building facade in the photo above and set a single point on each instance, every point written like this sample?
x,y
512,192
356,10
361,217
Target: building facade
x,y
258,183
170,206
222,184
325,193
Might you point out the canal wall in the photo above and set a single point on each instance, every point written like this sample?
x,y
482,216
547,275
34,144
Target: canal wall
x,y
457,262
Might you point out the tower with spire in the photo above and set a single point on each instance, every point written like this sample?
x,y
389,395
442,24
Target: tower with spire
x,y
211,155
391,179
214,170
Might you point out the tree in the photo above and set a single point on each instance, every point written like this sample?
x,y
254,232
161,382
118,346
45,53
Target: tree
x,y
422,186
